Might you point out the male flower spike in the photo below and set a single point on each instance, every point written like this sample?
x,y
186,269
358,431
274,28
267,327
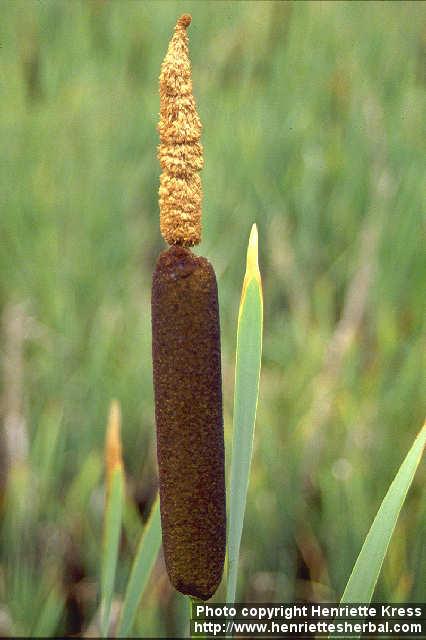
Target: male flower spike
x,y
180,152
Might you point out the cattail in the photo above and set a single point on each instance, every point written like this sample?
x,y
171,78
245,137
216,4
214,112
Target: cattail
x,y
186,350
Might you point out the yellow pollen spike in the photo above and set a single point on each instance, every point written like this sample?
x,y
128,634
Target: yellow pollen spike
x,y
180,152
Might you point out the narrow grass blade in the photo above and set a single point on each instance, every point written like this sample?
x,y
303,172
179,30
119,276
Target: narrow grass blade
x,y
112,529
50,615
146,555
247,372
83,485
366,571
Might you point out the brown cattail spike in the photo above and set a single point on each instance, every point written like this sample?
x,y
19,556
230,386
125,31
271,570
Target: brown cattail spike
x,y
188,410
180,152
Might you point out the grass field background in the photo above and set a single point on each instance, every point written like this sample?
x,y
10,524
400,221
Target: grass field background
x,y
314,128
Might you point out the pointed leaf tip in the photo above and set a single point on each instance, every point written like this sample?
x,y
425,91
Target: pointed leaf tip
x,y
252,269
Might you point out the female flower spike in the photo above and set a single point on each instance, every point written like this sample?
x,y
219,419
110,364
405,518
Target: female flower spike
x,y
180,152
188,415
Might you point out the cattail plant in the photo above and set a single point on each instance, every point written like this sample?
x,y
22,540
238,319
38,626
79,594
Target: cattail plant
x,y
186,347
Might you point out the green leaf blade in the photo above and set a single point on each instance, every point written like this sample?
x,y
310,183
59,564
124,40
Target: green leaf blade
x,y
111,542
143,563
247,374
364,576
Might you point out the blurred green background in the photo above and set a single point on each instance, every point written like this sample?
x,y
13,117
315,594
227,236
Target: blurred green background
x,y
314,127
